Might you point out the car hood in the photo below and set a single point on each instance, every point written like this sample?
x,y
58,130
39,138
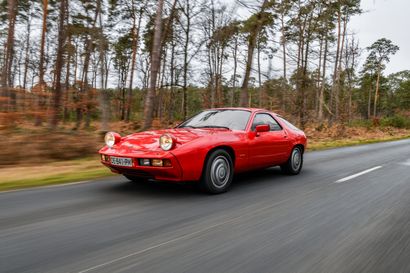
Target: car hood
x,y
149,140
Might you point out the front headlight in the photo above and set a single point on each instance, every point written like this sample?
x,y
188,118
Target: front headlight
x,y
166,142
111,138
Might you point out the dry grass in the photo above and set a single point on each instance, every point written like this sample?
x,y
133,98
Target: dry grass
x,y
52,173
38,148
336,136
23,172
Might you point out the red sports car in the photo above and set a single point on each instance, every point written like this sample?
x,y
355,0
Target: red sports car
x,y
210,147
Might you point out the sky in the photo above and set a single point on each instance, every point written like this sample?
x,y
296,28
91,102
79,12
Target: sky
x,y
385,19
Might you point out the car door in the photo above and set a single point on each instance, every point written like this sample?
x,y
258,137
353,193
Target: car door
x,y
267,148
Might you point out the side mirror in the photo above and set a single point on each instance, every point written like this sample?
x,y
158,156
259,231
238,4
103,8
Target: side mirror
x,y
262,128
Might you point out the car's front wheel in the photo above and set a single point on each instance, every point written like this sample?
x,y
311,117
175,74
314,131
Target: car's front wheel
x,y
218,172
295,162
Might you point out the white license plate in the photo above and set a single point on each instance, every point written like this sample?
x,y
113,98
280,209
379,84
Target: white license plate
x,y
121,161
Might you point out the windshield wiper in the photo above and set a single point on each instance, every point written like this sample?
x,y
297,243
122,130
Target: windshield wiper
x,y
214,126
187,126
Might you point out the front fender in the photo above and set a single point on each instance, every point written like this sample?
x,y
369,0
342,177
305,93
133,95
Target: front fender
x,y
192,156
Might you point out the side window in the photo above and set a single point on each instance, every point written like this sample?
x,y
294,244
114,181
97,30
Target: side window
x,y
290,125
265,119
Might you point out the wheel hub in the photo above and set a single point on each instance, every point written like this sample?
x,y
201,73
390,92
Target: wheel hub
x,y
220,171
296,159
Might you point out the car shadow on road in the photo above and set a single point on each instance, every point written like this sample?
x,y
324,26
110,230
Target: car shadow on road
x,y
261,178
155,189
242,182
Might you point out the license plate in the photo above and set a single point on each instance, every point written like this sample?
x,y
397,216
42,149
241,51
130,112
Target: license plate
x,y
121,161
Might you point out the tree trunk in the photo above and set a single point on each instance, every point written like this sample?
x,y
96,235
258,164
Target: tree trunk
x,y
235,67
67,72
85,87
67,83
161,83
253,35
155,63
27,50
323,84
369,102
8,62
172,75
186,48
351,74
135,39
103,97
318,76
41,99
339,93
43,41
283,47
335,89
376,94
259,73
244,102
59,65
218,65
211,57
303,108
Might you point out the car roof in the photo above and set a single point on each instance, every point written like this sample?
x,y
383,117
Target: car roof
x,y
243,109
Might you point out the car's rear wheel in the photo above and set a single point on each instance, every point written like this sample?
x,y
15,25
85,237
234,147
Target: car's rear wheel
x,y
295,162
218,172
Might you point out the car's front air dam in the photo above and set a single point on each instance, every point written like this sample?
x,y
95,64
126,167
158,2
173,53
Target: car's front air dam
x,y
173,173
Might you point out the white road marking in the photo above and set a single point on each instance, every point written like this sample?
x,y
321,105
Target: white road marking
x,y
358,174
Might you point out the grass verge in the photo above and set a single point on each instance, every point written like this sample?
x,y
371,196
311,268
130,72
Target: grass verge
x,y
54,173
329,144
19,177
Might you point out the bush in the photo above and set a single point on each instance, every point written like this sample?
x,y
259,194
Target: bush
x,y
361,123
395,121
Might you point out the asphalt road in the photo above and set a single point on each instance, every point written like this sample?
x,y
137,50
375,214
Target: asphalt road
x,y
327,219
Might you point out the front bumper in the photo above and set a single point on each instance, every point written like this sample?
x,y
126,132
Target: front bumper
x,y
172,173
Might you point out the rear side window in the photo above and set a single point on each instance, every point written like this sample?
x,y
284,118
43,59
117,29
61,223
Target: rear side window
x,y
290,125
265,119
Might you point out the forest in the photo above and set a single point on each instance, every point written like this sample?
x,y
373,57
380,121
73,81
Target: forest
x,y
91,66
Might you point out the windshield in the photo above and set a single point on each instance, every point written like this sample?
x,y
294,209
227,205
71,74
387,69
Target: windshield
x,y
221,118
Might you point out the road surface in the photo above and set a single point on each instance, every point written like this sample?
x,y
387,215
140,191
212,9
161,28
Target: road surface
x,y
348,211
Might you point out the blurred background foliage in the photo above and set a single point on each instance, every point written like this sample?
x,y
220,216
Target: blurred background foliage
x,y
74,69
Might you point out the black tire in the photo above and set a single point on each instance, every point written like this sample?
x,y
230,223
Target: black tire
x,y
295,162
218,172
